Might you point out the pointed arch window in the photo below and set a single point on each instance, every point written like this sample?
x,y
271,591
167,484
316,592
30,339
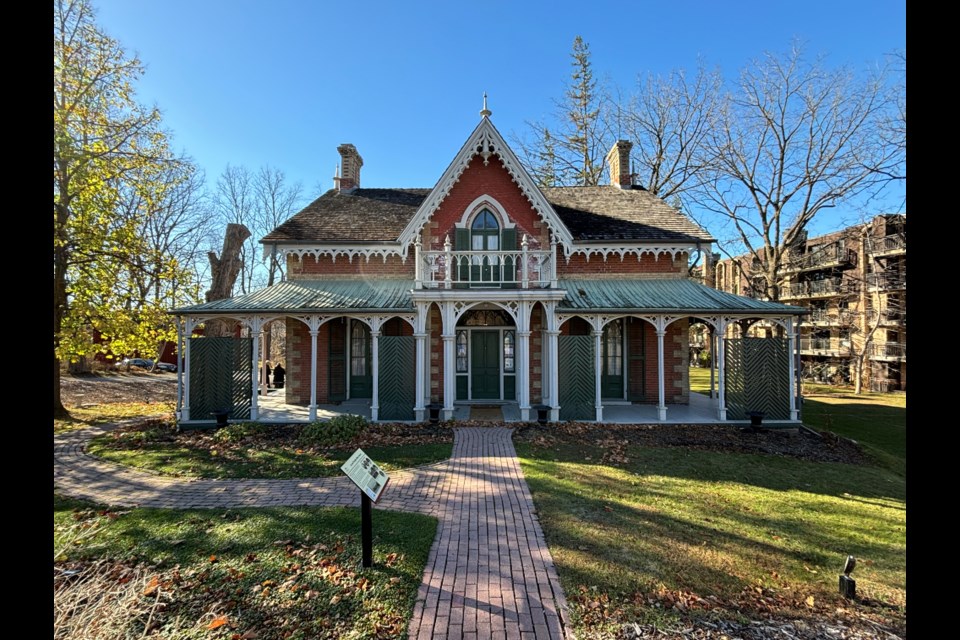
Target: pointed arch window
x,y
485,232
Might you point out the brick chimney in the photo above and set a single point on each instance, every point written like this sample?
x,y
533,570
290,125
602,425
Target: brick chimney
x,y
350,163
619,162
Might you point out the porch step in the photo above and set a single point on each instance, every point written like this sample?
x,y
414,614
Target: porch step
x,y
492,413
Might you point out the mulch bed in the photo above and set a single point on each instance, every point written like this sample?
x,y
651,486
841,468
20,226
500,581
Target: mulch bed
x,y
615,437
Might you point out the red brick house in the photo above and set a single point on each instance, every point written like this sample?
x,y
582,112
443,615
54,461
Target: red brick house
x,y
482,289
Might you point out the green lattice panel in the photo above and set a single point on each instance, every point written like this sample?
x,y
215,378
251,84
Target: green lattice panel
x,y
398,386
757,377
576,378
221,377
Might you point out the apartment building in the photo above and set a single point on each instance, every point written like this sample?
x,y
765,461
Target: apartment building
x,y
854,282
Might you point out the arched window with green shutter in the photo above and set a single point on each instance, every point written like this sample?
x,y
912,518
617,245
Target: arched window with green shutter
x,y
485,234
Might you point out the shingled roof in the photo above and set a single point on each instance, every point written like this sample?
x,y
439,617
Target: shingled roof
x,y
362,215
611,213
590,213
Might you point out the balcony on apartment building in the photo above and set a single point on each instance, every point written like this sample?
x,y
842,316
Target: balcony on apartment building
x,y
518,269
887,281
889,317
822,257
828,317
889,351
834,347
818,288
892,245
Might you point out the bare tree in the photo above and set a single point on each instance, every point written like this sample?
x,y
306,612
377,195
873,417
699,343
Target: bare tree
x,y
669,119
794,139
275,201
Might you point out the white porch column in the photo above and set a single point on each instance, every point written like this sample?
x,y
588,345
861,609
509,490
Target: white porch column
x,y
522,363
420,336
255,325
262,373
449,336
598,367
722,325
179,404
791,348
313,371
552,373
188,326
713,359
661,387
375,355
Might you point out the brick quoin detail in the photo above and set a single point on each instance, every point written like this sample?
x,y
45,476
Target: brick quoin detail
x,y
494,181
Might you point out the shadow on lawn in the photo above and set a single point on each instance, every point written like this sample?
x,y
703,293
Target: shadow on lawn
x,y
637,533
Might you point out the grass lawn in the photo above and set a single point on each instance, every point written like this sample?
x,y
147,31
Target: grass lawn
x,y
671,535
675,533
112,412
238,573
265,451
878,421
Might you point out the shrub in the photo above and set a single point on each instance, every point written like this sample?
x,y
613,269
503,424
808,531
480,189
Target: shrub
x,y
238,431
336,431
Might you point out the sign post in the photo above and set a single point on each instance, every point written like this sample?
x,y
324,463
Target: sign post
x,y
371,480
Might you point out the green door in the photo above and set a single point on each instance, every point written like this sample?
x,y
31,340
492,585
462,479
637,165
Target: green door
x,y
485,364
361,374
611,378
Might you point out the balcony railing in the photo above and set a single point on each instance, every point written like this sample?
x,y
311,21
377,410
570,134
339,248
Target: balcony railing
x,y
887,281
887,245
890,350
521,268
884,386
825,316
824,347
831,255
889,317
818,288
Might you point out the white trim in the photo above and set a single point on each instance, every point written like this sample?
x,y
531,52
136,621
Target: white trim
x,y
481,203
622,250
350,250
485,141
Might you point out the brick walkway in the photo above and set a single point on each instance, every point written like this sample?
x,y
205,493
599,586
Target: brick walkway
x,y
489,574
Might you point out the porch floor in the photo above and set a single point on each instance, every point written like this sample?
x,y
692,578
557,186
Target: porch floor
x,y
701,410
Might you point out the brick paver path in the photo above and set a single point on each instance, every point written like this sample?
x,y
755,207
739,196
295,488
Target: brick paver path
x,y
489,574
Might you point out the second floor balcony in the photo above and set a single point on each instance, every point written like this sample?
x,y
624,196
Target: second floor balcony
x,y
515,269
887,281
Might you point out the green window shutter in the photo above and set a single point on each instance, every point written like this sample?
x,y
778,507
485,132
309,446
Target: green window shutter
x,y
508,242
462,243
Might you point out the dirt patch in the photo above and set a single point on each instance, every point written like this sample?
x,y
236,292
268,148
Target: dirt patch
x,y
613,438
80,390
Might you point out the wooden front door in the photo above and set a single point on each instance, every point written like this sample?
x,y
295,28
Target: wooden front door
x,y
611,378
485,365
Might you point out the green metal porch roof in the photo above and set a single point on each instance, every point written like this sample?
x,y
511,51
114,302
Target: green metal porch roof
x,y
661,296
305,296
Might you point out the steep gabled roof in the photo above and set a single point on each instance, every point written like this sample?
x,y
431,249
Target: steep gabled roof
x,y
487,143
362,215
610,213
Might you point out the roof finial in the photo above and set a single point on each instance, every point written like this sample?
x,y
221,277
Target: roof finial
x,y
485,113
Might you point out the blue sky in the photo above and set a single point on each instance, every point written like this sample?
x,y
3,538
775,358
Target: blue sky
x,y
283,82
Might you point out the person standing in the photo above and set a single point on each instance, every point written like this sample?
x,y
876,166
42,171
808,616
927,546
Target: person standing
x,y
278,374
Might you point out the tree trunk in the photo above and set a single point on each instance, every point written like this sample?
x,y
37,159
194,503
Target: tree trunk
x,y
224,271
59,307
